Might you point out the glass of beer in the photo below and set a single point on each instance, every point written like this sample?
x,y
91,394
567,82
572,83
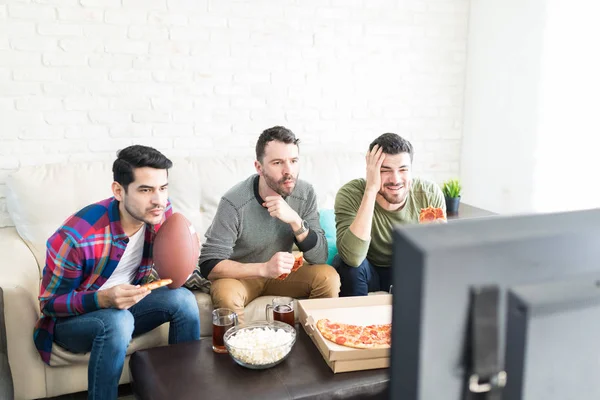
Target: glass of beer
x,y
282,310
223,319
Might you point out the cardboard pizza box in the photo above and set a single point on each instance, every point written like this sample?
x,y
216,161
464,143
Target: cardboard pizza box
x,y
362,310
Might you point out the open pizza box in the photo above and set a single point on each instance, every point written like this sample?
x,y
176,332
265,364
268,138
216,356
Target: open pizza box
x,y
362,310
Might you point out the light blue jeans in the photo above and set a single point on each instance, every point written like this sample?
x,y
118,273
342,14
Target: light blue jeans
x,y
107,333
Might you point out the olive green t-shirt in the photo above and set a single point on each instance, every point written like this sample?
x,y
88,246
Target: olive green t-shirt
x,y
378,250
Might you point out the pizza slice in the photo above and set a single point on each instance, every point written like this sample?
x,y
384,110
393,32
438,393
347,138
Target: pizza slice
x,y
431,214
156,284
380,333
298,262
356,336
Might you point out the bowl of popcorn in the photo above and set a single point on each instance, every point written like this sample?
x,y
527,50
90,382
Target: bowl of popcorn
x,y
261,344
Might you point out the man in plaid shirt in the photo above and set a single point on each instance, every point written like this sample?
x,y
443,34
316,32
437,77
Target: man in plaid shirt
x,y
90,298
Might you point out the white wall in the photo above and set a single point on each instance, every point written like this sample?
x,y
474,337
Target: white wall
x,y
80,79
531,106
567,162
501,103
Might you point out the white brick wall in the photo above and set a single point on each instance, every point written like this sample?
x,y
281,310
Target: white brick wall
x,y
81,79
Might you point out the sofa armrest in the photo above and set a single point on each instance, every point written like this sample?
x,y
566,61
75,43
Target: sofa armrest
x,y
20,282
6,385
18,265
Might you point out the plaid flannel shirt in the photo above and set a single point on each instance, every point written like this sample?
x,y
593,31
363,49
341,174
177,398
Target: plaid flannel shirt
x,y
80,256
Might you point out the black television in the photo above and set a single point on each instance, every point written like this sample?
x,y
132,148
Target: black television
x,y
545,269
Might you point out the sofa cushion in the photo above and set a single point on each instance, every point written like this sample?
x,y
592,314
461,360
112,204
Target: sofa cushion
x,y
327,220
40,198
198,282
205,308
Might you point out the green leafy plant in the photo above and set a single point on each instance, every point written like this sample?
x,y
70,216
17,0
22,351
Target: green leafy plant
x,y
452,188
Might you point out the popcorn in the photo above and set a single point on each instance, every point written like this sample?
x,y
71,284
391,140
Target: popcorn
x,y
260,346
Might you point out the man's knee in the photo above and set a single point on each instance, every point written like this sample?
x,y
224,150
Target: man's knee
x,y
184,300
354,280
228,293
117,328
325,282
348,270
325,273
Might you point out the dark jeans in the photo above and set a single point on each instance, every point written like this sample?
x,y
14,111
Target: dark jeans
x,y
359,281
106,334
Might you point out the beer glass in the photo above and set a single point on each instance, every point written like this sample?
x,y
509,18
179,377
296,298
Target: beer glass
x,y
223,319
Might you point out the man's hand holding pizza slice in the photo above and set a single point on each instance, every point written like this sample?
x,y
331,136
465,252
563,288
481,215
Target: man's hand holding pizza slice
x,y
298,262
432,215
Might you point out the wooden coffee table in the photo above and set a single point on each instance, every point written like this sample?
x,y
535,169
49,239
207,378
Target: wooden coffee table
x,y
193,371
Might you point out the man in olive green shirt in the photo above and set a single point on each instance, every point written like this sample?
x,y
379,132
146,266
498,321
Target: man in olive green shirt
x,y
367,210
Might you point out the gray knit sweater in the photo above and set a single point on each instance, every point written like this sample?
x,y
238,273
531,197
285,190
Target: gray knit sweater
x,y
242,229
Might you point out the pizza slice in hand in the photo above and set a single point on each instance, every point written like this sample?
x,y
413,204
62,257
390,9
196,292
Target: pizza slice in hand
x,y
156,284
298,262
431,214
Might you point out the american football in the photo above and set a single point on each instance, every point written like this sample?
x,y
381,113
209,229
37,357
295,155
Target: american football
x,y
176,250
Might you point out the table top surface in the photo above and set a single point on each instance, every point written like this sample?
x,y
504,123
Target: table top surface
x,y
469,211
303,374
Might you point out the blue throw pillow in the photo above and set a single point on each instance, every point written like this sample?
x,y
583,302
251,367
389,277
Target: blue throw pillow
x,y
327,220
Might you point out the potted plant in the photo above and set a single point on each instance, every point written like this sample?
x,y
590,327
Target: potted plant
x,y
452,191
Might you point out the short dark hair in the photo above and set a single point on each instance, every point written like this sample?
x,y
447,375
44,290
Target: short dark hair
x,y
137,156
393,144
278,133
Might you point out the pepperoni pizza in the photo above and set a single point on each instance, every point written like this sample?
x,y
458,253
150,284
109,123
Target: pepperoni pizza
x,y
356,336
431,214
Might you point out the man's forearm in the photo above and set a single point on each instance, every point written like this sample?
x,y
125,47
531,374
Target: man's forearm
x,y
361,226
236,270
68,305
296,225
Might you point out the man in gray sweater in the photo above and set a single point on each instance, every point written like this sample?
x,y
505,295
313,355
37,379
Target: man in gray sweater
x,y
249,242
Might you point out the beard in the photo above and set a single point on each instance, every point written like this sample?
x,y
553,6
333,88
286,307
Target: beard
x,y
141,216
278,185
399,198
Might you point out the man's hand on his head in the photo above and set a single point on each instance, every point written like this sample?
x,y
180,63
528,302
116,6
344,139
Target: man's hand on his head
x,y
278,208
121,296
374,159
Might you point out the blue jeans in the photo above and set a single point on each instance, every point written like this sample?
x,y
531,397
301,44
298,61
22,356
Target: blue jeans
x,y
359,281
107,333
